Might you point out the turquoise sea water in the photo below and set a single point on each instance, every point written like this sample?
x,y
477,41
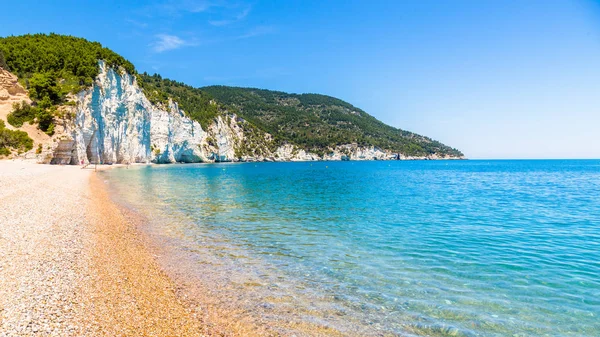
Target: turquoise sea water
x,y
458,248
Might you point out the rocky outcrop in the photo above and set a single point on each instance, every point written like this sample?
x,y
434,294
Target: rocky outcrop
x,y
228,135
116,123
4,95
63,152
290,152
9,85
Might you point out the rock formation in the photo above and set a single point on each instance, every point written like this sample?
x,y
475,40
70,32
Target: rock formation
x,y
9,85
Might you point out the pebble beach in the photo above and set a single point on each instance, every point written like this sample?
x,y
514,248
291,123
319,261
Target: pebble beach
x,y
71,265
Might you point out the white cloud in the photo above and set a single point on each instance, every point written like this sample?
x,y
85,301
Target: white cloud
x,y
166,42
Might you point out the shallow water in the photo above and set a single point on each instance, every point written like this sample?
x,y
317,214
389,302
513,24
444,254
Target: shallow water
x,y
458,248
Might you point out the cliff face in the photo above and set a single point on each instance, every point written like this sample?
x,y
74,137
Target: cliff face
x,y
114,122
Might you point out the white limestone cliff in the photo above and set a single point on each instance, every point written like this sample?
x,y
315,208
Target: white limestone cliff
x,y
115,123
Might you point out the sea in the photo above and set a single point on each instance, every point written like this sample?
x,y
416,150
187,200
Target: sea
x,y
384,248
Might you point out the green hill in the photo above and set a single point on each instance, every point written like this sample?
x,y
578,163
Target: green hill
x,y
73,60
316,122
51,66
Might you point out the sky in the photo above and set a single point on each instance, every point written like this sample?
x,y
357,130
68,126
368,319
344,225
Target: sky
x,y
495,79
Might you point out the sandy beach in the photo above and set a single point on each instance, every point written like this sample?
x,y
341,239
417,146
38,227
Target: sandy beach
x,y
71,265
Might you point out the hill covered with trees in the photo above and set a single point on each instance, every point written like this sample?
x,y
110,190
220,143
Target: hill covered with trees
x,y
71,59
317,122
52,66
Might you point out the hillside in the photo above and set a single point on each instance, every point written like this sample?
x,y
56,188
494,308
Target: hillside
x,y
51,67
54,69
317,122
195,102
68,63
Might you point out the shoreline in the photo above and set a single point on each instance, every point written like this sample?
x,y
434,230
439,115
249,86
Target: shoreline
x,y
195,296
141,298
225,309
99,271
74,264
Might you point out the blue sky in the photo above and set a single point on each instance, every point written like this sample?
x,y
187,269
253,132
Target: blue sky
x,y
496,79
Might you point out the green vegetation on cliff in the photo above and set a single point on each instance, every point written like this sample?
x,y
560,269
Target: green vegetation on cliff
x,y
43,114
51,66
13,140
3,64
317,122
195,102
71,60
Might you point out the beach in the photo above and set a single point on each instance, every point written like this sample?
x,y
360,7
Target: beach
x,y
74,263
71,265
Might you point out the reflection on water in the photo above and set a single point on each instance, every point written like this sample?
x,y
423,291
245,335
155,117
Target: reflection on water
x,y
426,248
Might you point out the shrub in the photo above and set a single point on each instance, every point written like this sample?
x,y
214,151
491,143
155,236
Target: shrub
x,y
43,114
21,113
13,140
45,119
50,130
